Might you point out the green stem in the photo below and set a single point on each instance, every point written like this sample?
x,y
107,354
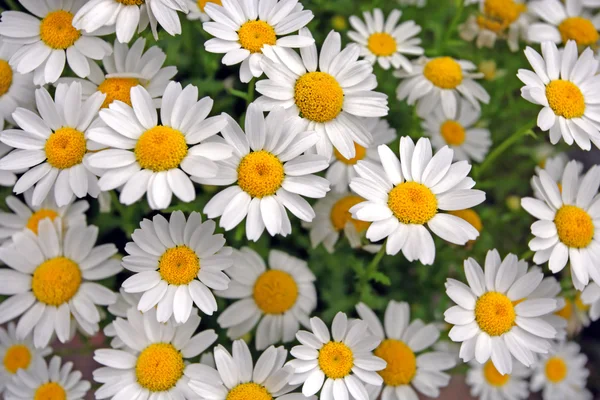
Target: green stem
x,y
250,95
370,270
460,6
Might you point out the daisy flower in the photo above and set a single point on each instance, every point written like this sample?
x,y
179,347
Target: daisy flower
x,y
278,299
441,81
562,374
175,263
16,90
48,381
574,313
197,9
337,364
458,132
269,173
330,100
384,41
53,147
406,373
565,230
406,193
243,28
590,297
487,383
47,39
50,280
156,362
555,167
144,156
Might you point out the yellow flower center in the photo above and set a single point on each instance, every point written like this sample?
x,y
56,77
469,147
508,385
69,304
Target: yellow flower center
x,y
495,313
579,29
160,149
65,148
412,203
401,362
202,3
57,30
117,89
319,96
490,24
132,2
470,216
340,214
499,14
56,281
567,311
16,357
260,174
50,391
453,133
249,391
382,44
42,213
179,265
574,226
565,99
275,292
336,360
556,369
493,377
6,77
159,367
443,72
360,152
579,304
255,34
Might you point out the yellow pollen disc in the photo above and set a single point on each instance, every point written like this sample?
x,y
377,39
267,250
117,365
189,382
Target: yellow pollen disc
x,y
275,292
453,133
579,29
56,281
574,226
495,313
131,2
50,391
340,214
360,152
499,14
567,311
319,96
579,304
117,89
336,360
565,99
382,44
401,362
42,213
249,391
160,149
493,377
470,216
443,72
179,265
412,203
159,367
57,30
255,34
6,77
65,148
260,174
202,3
490,24
556,369
16,357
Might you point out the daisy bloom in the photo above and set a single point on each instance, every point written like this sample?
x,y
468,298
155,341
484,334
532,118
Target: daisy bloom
x,y
53,147
281,297
574,313
330,100
487,383
441,81
406,193
406,373
565,86
50,280
48,381
494,316
337,364
197,9
555,167
590,298
458,132
47,39
156,362
16,90
243,28
269,173
145,156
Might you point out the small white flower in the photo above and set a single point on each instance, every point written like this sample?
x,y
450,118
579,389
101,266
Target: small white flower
x,y
487,383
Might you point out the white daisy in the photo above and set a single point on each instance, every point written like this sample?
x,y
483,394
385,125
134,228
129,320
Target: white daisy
x,y
16,90
47,39
487,383
50,279
242,29
48,381
495,316
459,132
330,100
555,167
565,86
156,362
406,373
406,193
53,147
176,262
120,308
269,173
441,81
590,297
281,297
197,9
145,156
339,364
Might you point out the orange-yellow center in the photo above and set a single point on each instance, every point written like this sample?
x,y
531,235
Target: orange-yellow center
x,y
275,292
319,96
443,72
401,362
57,30
340,214
574,226
412,203
56,281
